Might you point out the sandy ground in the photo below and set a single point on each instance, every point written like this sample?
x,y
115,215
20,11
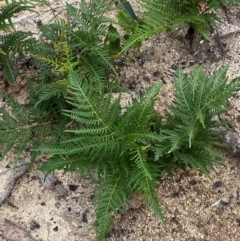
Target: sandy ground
x,y
196,208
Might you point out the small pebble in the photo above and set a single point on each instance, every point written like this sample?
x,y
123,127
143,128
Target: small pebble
x,y
133,85
92,197
74,224
156,73
192,63
224,203
193,182
84,217
238,194
116,227
42,203
73,187
39,22
34,225
174,66
238,221
55,229
218,184
125,231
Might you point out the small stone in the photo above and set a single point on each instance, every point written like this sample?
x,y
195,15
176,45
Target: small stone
x,y
69,209
133,85
84,217
156,73
92,197
125,231
218,184
238,221
73,187
193,182
116,227
39,22
174,66
192,63
147,78
55,229
7,166
224,203
238,194
42,203
74,224
34,225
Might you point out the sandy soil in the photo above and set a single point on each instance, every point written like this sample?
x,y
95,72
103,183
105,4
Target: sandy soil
x,y
196,208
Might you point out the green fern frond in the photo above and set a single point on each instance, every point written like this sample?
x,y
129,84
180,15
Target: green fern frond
x,y
12,44
84,50
164,15
23,126
60,163
144,179
106,140
15,130
152,203
13,7
16,42
90,16
110,198
159,16
198,98
49,91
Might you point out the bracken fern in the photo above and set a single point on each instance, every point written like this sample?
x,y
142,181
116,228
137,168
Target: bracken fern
x,y
128,151
113,145
18,42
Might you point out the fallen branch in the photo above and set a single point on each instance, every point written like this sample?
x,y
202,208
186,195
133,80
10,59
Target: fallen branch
x,y
14,167
229,33
13,232
10,184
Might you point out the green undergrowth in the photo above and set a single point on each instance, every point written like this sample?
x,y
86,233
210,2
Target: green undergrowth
x,y
129,152
14,43
72,116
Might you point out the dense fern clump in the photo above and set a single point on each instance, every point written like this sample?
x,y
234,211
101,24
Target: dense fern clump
x,y
73,116
14,43
165,15
129,151
76,43
112,144
24,126
191,132
201,15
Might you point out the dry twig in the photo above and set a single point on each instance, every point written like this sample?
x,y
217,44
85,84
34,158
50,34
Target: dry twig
x,y
10,184
229,33
13,232
20,165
